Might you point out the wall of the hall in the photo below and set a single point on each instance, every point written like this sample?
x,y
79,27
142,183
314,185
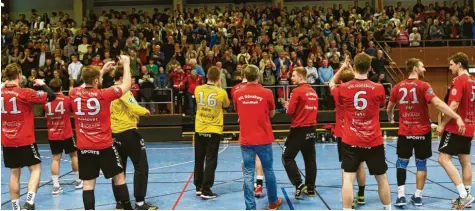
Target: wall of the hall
x,y
48,6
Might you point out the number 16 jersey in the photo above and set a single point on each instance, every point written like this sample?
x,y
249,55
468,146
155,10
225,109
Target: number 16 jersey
x,y
91,108
361,100
209,101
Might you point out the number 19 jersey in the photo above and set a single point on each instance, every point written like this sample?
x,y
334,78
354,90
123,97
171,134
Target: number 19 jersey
x,y
361,100
58,113
412,97
209,101
91,109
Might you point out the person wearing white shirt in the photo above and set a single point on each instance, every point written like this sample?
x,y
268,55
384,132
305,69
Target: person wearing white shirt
x,y
74,69
312,74
82,49
414,37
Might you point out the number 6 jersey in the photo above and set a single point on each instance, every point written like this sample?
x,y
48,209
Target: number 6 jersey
x,y
91,108
361,100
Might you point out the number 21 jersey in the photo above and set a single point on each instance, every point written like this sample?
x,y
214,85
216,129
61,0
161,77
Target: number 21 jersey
x,y
361,100
91,109
412,97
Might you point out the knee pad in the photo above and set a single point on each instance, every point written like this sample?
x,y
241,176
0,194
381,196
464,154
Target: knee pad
x,y
421,165
401,164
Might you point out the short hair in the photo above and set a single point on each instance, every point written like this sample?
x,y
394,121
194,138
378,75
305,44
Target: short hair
x,y
89,73
251,72
346,74
411,63
301,71
56,84
362,63
118,73
214,74
461,58
12,71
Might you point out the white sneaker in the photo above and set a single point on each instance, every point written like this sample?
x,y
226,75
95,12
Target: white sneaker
x,y
78,184
57,190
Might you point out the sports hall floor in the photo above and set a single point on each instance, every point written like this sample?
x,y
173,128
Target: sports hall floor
x,y
171,182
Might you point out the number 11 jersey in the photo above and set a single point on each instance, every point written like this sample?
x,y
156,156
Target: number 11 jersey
x,y
361,100
91,108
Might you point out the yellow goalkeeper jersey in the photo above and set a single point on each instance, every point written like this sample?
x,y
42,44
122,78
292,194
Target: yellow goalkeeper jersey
x,y
210,101
125,113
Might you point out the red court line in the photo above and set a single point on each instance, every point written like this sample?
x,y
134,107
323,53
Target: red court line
x,y
182,191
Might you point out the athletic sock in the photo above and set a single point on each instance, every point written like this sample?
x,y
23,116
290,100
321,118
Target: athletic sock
x,y
468,188
401,176
387,207
418,193
462,191
55,179
76,174
123,194
16,204
361,190
140,203
260,180
347,209
30,197
88,199
401,191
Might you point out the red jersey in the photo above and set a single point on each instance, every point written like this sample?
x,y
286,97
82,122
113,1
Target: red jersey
x,y
193,82
361,101
237,87
303,106
91,109
177,79
135,88
412,97
18,128
339,112
463,92
58,113
253,104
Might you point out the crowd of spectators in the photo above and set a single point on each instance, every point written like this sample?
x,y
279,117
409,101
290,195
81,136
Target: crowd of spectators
x,y
175,51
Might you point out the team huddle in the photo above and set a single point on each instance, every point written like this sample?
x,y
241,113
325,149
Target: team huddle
x,y
106,133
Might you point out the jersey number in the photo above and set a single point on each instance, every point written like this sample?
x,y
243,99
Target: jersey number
x,y
360,102
212,102
92,104
15,107
59,108
404,95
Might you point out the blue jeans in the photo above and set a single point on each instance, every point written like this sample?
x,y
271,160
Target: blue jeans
x,y
249,158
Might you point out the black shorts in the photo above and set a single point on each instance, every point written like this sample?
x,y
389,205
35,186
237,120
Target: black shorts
x,y
19,157
374,157
454,144
58,146
92,161
208,137
338,145
422,146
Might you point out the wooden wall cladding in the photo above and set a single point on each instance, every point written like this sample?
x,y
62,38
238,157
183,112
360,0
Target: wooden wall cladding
x,y
436,62
432,56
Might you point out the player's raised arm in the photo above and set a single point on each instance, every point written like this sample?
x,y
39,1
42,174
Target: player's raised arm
x,y
127,78
41,83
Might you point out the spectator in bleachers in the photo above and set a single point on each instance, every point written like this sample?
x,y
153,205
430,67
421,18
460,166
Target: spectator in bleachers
x,y
415,38
74,69
192,81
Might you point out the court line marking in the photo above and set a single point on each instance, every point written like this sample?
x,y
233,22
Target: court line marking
x,y
289,203
178,164
182,191
316,191
44,184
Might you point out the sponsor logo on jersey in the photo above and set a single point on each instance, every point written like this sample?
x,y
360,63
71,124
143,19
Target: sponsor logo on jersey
x,y
40,93
131,99
430,91
117,90
454,91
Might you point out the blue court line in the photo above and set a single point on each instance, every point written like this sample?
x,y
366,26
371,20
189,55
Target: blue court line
x,y
291,207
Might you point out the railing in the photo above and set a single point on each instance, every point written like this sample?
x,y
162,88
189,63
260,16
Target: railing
x,y
395,75
435,43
